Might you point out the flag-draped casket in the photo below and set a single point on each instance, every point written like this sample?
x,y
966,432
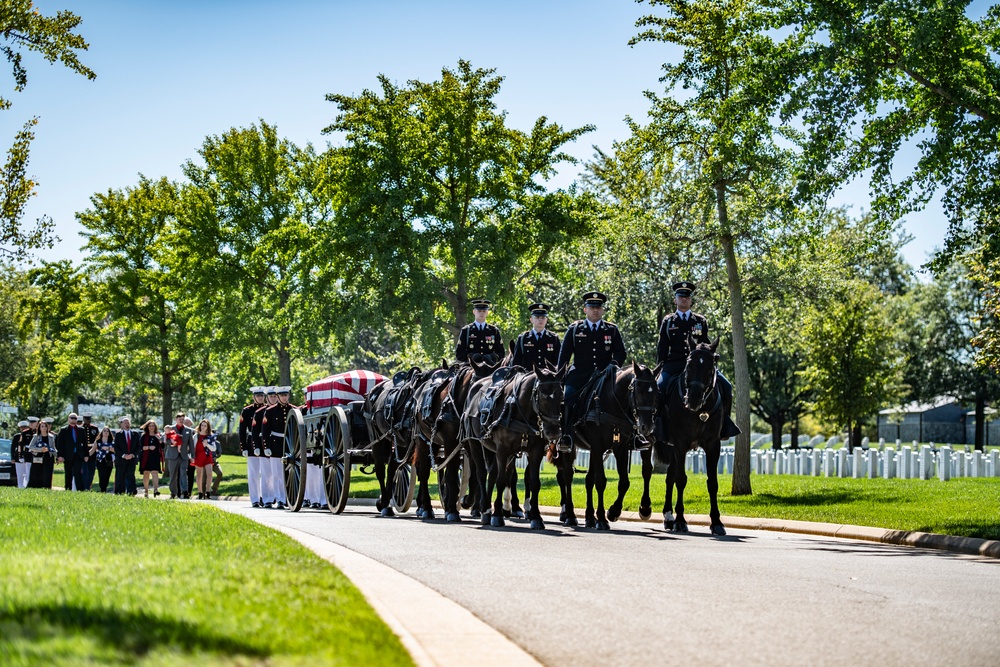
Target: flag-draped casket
x,y
340,388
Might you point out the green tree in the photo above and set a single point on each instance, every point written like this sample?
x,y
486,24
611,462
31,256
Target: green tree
x,y
24,29
711,137
439,201
248,246
12,354
853,364
140,303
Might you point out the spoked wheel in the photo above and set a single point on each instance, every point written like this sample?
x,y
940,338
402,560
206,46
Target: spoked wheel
x,y
337,459
404,483
464,474
294,460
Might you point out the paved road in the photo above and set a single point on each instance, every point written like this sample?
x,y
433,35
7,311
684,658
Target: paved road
x,y
639,596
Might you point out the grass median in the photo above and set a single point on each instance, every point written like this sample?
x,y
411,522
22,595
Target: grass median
x,y
108,580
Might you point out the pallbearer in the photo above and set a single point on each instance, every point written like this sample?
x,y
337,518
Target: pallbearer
x,y
479,336
275,418
250,451
18,452
257,445
90,433
536,345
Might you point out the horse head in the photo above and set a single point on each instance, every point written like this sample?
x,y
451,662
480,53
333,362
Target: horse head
x,y
547,402
643,396
484,365
698,380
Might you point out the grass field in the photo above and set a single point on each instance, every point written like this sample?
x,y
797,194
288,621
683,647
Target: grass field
x,y
92,579
967,507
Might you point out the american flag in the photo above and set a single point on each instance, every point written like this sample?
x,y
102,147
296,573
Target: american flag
x,y
341,388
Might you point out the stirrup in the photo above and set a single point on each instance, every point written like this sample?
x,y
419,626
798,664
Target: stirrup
x,y
565,444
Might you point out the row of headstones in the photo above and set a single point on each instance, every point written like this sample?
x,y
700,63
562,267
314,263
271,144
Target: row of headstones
x,y
907,463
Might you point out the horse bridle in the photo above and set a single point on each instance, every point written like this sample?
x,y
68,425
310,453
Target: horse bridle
x,y
538,411
686,384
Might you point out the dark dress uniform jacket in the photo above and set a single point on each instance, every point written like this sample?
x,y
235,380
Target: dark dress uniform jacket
x,y
257,431
531,351
677,337
246,422
590,350
472,339
18,445
273,429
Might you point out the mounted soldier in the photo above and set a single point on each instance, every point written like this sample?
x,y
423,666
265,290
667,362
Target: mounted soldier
x,y
479,336
537,345
680,332
590,345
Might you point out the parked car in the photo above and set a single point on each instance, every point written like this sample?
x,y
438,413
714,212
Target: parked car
x,y
7,475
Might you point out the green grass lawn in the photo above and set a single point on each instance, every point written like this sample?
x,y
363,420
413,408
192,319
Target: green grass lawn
x,y
964,506
92,579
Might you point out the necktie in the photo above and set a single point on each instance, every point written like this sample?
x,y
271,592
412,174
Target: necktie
x,y
73,431
128,440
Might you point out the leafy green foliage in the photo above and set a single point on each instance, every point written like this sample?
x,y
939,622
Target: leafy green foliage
x,y
23,28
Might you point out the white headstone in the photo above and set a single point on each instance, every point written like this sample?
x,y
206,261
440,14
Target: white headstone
x,y
858,464
905,465
926,462
977,464
873,461
842,464
995,461
889,466
829,463
944,464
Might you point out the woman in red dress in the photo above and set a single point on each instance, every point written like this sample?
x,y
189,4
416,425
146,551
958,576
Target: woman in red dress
x,y
203,453
151,456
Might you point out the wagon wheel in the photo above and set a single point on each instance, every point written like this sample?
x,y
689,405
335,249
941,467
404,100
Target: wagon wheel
x,y
403,486
337,459
294,460
464,473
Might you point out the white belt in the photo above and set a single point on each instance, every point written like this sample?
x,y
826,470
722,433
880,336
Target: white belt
x,y
277,434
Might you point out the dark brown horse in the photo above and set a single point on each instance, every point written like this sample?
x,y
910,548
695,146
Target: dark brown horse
x,y
525,415
616,411
695,410
388,412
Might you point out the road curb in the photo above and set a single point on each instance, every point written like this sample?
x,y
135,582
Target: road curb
x,y
972,546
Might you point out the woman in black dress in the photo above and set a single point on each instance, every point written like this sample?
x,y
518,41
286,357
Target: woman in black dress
x,y
103,451
42,453
151,457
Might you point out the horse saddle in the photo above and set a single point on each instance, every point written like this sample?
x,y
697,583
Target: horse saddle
x,y
427,399
589,409
501,377
399,378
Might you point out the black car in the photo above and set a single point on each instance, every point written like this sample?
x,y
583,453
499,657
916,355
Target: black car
x,y
7,476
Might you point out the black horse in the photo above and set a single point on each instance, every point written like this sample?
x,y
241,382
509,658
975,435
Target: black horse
x,y
525,415
696,408
437,412
388,411
616,411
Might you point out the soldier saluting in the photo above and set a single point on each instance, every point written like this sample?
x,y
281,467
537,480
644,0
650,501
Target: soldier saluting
x,y
591,343
536,345
680,332
479,336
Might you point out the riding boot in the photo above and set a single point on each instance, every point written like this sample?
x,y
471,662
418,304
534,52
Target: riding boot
x,y
729,429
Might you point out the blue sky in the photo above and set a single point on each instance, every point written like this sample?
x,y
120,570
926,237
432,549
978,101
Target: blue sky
x,y
171,73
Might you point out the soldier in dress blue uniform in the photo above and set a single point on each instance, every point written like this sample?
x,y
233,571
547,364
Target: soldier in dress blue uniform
x,y
18,453
536,345
250,451
90,433
680,331
479,336
592,344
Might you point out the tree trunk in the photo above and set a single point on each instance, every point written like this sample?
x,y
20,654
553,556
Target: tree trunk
x,y
166,385
284,361
980,422
741,384
776,423
794,443
856,434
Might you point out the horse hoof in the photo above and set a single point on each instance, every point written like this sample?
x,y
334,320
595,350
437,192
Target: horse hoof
x,y
497,521
466,502
518,514
603,525
486,518
590,522
387,511
452,517
645,513
419,513
378,505
475,514
428,515
536,524
506,514
668,524
718,529
680,526
614,513
570,521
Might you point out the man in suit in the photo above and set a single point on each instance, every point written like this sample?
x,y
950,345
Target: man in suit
x,y
479,336
127,448
536,345
178,454
592,344
73,452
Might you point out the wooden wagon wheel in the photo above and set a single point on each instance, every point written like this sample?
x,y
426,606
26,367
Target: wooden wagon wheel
x,y
464,474
404,483
337,459
294,462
